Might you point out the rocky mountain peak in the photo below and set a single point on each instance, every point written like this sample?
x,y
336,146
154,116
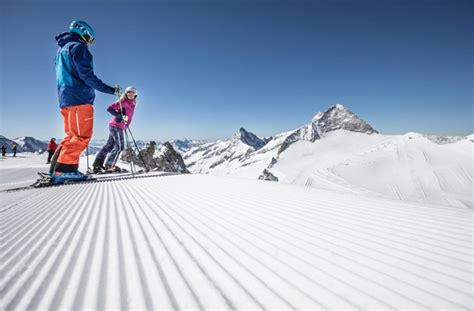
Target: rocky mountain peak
x,y
169,160
334,118
339,117
250,139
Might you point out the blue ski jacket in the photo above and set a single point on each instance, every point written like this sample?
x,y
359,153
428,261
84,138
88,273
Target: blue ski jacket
x,y
75,76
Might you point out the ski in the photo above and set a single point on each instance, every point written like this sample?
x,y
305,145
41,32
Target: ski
x,y
90,171
44,181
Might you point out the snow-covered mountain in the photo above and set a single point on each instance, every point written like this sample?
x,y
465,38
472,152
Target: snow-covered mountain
x,y
251,139
180,145
30,144
24,144
340,118
8,143
339,151
220,154
403,167
335,118
231,154
183,145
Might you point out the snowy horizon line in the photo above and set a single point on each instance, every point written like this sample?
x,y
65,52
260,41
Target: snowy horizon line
x,y
157,140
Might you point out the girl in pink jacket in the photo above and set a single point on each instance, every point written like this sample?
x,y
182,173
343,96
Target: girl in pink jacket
x,y
122,115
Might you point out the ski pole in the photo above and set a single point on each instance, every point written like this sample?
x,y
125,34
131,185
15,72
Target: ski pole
x,y
126,137
87,155
138,149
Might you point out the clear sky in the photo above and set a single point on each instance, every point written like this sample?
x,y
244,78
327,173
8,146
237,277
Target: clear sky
x,y
206,68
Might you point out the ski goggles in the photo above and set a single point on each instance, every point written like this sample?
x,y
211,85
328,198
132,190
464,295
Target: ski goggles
x,y
88,39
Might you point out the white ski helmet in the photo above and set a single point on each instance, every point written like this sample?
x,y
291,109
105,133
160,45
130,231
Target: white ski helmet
x,y
131,89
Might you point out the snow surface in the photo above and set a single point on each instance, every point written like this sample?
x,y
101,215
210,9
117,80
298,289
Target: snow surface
x,y
406,167
400,167
214,242
21,170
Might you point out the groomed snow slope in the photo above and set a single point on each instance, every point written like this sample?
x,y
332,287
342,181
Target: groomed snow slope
x,y
406,167
21,170
208,242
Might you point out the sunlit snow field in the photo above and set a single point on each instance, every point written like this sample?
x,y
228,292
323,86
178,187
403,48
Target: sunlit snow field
x,y
218,242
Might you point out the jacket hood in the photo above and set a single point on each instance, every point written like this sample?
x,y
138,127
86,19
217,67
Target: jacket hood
x,y
63,38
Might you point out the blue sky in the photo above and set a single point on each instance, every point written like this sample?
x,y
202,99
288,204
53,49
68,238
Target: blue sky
x,y
206,68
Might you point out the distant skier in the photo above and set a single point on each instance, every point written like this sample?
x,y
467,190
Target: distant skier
x,y
122,112
4,151
76,82
52,146
14,149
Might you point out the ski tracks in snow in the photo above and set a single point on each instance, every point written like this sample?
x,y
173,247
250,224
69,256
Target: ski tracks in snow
x,y
205,242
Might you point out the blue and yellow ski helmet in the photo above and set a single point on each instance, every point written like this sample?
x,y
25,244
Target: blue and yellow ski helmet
x,y
84,30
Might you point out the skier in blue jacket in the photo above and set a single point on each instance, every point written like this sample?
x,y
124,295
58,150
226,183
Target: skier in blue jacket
x,y
76,83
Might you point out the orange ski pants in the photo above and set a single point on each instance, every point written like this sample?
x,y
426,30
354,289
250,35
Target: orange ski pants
x,y
78,126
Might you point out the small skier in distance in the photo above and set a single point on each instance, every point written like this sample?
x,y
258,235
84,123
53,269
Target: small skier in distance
x,y
51,149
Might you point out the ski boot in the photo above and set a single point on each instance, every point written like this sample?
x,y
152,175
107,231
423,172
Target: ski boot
x,y
43,180
98,170
98,166
67,177
114,169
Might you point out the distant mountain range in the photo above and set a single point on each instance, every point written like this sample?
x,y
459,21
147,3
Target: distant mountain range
x,y
24,144
30,144
245,145
180,145
184,144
